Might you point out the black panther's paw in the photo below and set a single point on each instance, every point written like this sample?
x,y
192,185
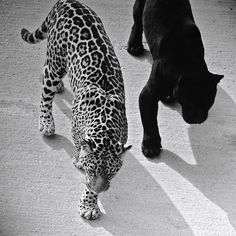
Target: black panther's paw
x,y
151,148
135,50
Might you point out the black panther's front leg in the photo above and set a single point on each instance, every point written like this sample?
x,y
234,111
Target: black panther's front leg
x,y
148,105
135,46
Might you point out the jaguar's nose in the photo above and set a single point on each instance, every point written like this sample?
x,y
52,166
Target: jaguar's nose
x,y
99,184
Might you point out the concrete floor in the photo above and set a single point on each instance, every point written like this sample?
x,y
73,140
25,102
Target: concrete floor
x,y
189,190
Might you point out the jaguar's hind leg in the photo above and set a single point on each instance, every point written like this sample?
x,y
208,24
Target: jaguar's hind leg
x,y
51,83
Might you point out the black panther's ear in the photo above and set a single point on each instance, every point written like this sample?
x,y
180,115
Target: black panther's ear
x,y
217,78
87,146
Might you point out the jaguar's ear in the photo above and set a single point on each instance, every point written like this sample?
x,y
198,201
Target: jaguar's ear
x,y
124,149
87,146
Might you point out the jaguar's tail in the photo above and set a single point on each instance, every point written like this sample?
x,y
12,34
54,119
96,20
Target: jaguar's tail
x,y
42,32
35,37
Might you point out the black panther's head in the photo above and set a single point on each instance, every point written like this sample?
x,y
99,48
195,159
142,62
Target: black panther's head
x,y
196,95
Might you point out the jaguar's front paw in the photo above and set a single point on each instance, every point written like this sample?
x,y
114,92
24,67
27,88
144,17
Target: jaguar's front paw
x,y
91,212
151,147
47,128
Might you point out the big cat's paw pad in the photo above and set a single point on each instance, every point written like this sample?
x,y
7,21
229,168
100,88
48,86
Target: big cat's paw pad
x,y
89,212
151,148
47,129
135,50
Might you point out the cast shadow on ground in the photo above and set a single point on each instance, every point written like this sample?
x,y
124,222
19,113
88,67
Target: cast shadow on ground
x,y
59,142
213,147
134,199
62,99
137,205
134,202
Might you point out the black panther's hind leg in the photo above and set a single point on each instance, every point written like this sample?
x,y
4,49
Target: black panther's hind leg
x,y
135,46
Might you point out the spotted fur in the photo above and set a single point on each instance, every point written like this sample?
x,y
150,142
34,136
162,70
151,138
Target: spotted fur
x,y
77,45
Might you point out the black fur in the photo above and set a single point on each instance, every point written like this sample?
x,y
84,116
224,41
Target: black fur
x,y
179,71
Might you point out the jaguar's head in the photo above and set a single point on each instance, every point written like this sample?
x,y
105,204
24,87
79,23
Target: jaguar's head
x,y
102,164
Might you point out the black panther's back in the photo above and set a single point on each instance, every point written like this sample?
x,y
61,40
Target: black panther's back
x,y
160,17
169,27
167,12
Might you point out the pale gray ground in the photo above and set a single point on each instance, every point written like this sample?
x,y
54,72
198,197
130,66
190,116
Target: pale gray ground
x,y
190,190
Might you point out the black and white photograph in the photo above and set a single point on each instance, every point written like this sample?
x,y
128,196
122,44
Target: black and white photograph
x,y
118,118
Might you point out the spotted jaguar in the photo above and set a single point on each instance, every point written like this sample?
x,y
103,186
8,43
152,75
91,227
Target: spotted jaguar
x,y
77,45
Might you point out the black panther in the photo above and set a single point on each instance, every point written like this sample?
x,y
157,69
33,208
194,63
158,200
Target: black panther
x,y
179,71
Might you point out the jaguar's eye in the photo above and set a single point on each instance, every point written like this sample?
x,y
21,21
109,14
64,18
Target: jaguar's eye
x,y
90,172
113,172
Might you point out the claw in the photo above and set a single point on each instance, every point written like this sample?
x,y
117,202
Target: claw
x,y
90,213
47,129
